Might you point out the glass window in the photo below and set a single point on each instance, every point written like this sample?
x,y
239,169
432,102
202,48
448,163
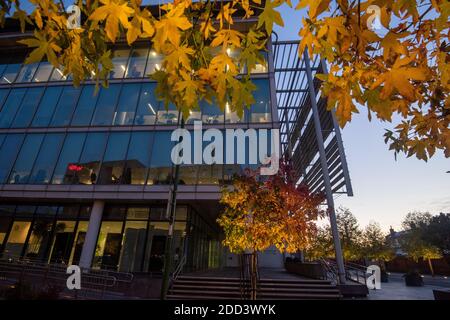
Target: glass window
x,y
114,213
10,107
25,211
106,105
46,160
109,241
78,243
85,107
24,163
16,239
4,59
47,107
126,108
138,158
27,108
161,162
261,110
195,115
39,241
13,67
136,65
4,227
90,158
65,107
231,116
153,63
138,213
132,253
148,105
211,113
120,59
114,159
7,210
27,72
58,75
46,211
68,211
261,67
9,151
67,169
167,116
209,174
3,95
43,72
62,242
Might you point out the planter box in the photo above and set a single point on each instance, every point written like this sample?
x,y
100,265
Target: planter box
x,y
310,270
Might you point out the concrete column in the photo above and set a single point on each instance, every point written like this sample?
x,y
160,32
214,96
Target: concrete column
x,y
90,241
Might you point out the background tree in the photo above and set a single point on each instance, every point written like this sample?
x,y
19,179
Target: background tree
x,y
350,233
321,245
437,232
414,242
374,244
391,57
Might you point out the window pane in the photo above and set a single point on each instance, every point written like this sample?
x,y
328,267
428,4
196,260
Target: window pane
x,y
27,72
85,107
138,158
47,107
3,95
16,239
161,162
136,65
148,105
132,253
106,105
65,106
90,158
27,108
61,244
211,113
108,245
261,67
80,235
13,67
126,108
4,59
261,110
120,59
231,116
66,170
114,159
138,213
8,153
153,63
4,227
24,163
167,116
39,241
43,72
58,75
46,159
10,107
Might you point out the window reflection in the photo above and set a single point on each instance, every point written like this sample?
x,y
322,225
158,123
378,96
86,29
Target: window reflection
x,y
148,105
106,105
27,72
211,113
114,159
136,65
10,107
58,75
126,107
154,62
25,160
138,158
27,108
9,151
47,107
46,160
167,116
120,58
108,245
89,164
43,72
65,107
39,239
66,171
161,163
62,242
132,254
85,107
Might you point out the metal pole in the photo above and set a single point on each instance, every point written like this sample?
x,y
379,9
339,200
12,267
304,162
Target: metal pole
x,y
168,250
326,174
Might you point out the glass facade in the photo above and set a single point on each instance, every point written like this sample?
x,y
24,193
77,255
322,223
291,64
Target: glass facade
x,y
52,133
131,238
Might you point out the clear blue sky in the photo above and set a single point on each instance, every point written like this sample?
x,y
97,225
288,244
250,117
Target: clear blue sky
x,y
385,190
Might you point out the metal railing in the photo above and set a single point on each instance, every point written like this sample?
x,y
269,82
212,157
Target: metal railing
x,y
95,284
353,271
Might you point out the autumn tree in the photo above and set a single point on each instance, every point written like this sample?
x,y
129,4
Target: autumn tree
x,y
259,213
391,57
349,233
321,245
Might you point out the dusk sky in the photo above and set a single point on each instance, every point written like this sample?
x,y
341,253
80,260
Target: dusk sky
x,y
385,190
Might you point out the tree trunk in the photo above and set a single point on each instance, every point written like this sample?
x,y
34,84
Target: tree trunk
x,y
431,267
254,274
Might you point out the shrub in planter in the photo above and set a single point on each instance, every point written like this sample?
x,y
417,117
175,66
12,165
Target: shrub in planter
x,y
413,279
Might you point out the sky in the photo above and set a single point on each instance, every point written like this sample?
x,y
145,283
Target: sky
x,y
385,190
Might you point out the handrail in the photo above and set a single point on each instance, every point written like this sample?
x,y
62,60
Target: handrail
x,y
353,272
179,268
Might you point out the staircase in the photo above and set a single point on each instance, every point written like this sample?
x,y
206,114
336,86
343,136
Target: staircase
x,y
210,288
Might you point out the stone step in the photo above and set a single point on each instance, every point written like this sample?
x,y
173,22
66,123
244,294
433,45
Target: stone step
x,y
198,297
